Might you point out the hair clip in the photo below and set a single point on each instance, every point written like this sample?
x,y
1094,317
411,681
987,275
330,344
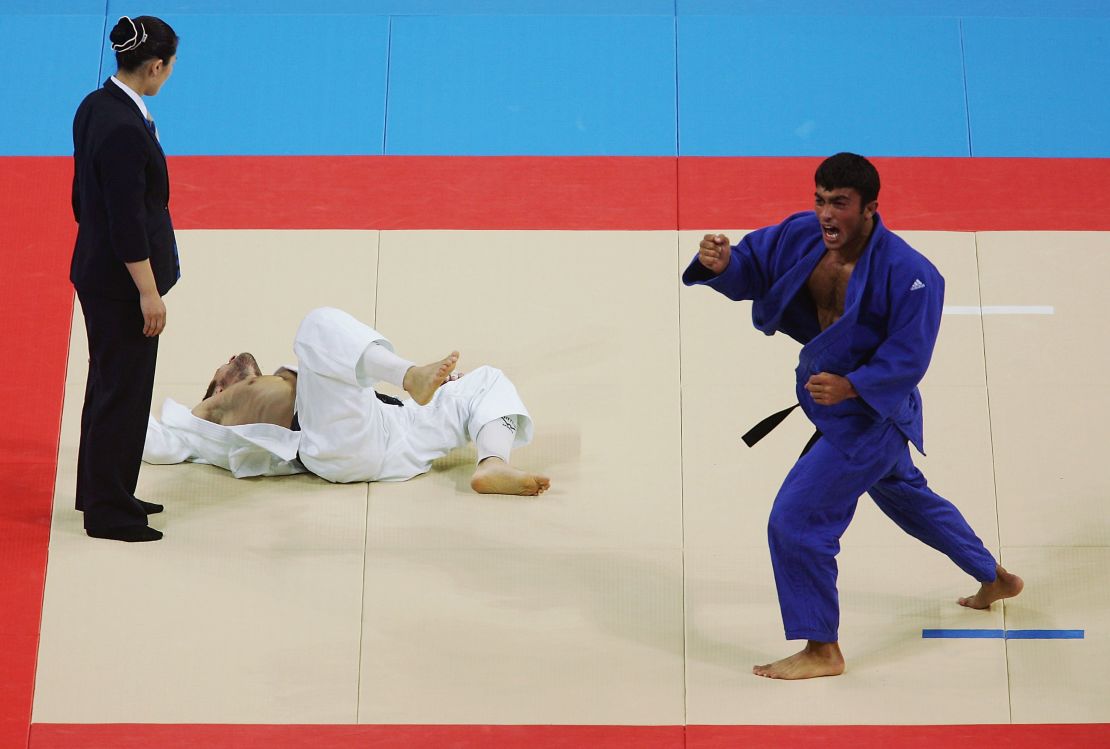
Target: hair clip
x,y
135,39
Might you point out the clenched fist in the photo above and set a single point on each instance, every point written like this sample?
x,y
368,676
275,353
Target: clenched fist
x,y
715,252
829,389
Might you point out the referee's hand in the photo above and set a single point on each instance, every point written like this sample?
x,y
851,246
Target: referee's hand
x,y
154,314
715,252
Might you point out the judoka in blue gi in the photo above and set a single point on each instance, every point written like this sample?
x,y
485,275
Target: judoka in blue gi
x,y
866,308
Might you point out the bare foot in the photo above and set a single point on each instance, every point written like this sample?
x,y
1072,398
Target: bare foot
x,y
422,382
818,659
1005,585
495,476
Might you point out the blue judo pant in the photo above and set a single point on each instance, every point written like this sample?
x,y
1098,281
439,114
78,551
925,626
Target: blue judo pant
x,y
817,501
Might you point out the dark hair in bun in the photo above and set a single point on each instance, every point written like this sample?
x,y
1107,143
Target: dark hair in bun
x,y
141,39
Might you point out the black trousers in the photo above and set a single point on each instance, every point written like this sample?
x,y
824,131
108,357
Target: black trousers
x,y
114,419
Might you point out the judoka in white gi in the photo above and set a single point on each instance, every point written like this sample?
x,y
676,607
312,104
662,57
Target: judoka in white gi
x,y
325,417
867,309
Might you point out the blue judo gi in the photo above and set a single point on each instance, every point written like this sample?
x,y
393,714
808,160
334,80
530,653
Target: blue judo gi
x,y
882,343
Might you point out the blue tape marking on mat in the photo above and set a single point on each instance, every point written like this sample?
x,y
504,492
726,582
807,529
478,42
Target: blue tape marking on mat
x,y
532,86
953,634
273,85
1038,87
773,86
42,91
1044,634
999,634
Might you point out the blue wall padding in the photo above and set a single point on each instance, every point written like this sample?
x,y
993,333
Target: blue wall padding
x,y
49,65
767,86
532,85
880,8
274,85
1038,87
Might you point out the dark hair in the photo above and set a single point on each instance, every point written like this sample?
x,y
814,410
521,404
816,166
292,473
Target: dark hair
x,y
141,39
849,170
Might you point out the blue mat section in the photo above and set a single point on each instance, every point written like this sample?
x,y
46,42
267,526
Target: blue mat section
x,y
49,65
587,77
532,85
1000,634
767,86
880,8
404,7
54,7
273,85
1038,87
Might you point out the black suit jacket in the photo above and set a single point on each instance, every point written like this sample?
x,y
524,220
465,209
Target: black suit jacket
x,y
121,196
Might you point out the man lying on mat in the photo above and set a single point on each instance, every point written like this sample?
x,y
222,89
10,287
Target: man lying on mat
x,y
324,417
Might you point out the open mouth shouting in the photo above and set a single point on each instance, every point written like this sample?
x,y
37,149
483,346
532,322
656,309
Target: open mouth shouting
x,y
831,233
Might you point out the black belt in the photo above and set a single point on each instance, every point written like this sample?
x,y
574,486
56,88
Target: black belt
x,y
765,427
388,399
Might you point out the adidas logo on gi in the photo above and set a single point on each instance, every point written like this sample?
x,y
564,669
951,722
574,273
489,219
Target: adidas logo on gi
x,y
917,284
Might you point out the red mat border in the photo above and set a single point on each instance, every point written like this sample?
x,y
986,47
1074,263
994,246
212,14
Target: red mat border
x,y
621,193
142,736
450,193
598,193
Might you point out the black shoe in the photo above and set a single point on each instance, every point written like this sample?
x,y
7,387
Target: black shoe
x,y
150,507
129,533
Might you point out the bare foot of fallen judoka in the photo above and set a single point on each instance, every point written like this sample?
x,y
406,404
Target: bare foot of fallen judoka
x,y
818,659
1005,585
422,382
495,476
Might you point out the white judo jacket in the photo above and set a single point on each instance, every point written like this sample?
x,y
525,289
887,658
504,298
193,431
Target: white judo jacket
x,y
347,434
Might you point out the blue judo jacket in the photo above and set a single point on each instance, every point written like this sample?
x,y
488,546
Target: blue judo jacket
x,y
882,343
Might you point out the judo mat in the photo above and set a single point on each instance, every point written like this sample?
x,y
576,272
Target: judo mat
x,y
517,218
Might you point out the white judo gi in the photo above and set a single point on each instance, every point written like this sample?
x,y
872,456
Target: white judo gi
x,y
347,434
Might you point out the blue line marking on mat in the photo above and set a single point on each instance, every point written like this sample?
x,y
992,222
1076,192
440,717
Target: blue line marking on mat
x,y
1045,634
1002,634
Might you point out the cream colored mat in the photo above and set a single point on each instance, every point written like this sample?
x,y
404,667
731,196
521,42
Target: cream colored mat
x,y
639,589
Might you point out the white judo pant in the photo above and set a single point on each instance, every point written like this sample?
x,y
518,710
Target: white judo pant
x,y
348,435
